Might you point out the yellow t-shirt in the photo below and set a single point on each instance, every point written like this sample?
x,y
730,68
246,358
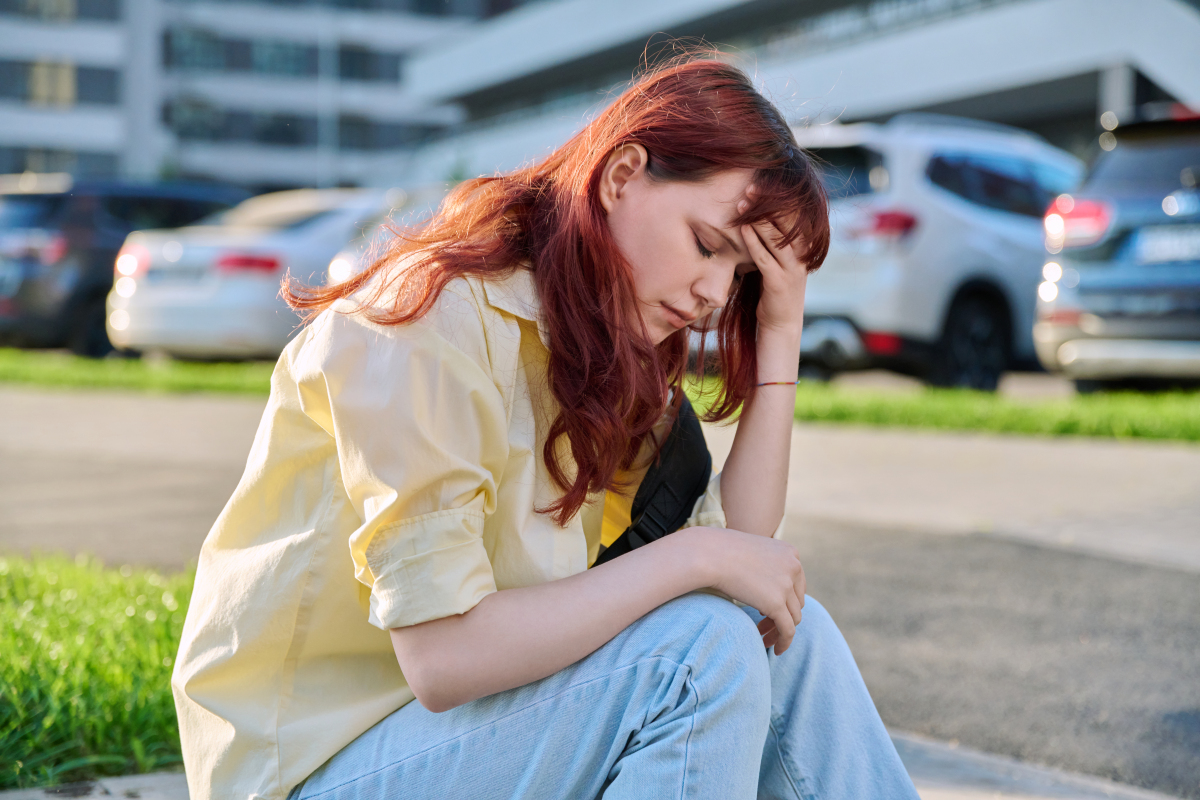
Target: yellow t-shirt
x,y
393,480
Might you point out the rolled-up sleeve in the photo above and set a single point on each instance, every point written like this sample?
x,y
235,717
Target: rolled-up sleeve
x,y
421,435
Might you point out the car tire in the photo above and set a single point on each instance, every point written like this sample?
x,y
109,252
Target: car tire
x,y
973,352
89,337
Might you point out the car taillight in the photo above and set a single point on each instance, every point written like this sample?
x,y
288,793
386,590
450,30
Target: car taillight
x,y
882,344
132,259
248,262
52,249
1075,223
891,224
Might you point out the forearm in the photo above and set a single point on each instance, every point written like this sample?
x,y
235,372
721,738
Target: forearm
x,y
517,636
754,479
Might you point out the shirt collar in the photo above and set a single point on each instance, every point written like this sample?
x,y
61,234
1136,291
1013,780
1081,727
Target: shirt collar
x,y
517,294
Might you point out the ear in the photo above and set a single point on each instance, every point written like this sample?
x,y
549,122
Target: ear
x,y
626,164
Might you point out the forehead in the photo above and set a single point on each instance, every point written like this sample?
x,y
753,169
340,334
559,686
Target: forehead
x,y
716,197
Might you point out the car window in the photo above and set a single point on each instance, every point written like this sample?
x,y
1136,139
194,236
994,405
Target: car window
x,y
846,171
30,210
1055,180
1007,184
1155,165
994,181
142,213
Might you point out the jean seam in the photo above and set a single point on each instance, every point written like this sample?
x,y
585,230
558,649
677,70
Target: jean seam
x,y
783,765
687,744
572,687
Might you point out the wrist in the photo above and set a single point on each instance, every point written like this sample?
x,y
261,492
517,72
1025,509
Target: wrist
x,y
778,355
698,554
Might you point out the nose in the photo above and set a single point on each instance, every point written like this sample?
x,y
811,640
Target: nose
x,y
713,287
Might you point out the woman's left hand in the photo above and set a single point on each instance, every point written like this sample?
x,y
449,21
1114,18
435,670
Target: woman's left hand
x,y
784,278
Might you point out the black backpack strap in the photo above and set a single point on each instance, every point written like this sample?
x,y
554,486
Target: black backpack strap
x,y
673,484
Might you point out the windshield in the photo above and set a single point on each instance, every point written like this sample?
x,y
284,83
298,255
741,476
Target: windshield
x,y
29,210
1160,165
846,171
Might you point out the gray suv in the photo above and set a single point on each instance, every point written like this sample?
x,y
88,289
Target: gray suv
x,y
1120,299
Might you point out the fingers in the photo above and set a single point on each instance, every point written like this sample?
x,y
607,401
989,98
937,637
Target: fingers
x,y
785,628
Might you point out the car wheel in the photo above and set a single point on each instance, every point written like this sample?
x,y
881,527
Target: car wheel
x,y
88,336
974,349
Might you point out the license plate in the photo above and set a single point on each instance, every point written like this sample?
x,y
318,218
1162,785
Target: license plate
x,y
1164,243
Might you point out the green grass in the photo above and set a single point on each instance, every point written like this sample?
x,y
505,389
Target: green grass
x,y
1166,415
85,669
41,368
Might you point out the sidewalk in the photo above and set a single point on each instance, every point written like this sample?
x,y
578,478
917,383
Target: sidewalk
x,y
940,772
144,476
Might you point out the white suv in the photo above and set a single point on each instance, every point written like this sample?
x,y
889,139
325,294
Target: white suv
x,y
937,247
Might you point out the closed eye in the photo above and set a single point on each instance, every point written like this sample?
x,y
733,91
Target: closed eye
x,y
704,251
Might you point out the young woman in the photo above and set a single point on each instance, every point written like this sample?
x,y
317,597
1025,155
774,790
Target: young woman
x,y
443,447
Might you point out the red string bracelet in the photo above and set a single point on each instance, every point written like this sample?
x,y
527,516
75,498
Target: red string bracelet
x,y
779,383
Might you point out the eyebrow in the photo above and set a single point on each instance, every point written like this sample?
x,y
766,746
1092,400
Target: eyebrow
x,y
736,248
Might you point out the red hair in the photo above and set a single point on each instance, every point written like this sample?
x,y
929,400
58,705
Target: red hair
x,y
695,118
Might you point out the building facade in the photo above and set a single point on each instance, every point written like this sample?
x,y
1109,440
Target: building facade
x,y
276,93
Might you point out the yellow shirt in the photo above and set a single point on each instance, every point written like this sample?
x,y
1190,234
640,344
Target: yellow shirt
x,y
392,481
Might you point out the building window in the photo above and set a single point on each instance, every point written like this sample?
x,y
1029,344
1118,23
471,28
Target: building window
x,y
190,49
193,49
63,10
36,159
273,57
197,120
360,133
357,63
96,85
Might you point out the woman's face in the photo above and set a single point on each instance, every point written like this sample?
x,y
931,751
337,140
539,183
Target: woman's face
x,y
677,237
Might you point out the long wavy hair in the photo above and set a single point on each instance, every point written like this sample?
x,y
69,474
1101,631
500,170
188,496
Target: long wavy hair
x,y
695,117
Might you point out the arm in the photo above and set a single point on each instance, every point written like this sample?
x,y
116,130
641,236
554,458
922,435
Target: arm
x,y
754,480
517,636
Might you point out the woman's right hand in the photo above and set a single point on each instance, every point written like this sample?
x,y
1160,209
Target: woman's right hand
x,y
763,573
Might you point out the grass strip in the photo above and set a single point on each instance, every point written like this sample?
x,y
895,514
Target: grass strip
x,y
1166,415
41,368
85,668
1120,415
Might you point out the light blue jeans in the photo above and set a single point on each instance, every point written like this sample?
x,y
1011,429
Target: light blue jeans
x,y
684,703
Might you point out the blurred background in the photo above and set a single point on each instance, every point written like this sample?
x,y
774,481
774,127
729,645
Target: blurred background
x,y
996,476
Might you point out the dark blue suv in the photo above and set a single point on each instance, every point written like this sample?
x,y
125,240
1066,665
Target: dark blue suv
x,y
1120,301
58,240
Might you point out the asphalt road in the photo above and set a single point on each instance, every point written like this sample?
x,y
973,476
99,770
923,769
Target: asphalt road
x,y
1068,636
1054,657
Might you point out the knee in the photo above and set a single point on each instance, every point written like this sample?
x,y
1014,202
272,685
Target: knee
x,y
712,636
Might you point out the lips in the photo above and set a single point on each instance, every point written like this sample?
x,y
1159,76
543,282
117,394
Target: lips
x,y
677,318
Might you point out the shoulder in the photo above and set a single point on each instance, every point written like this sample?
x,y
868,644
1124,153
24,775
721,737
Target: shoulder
x,y
461,326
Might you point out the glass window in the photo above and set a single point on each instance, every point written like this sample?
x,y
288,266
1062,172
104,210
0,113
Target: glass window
x,y
1007,184
846,171
1158,165
274,57
1055,180
999,182
94,85
14,80
30,210
951,173
143,213
193,49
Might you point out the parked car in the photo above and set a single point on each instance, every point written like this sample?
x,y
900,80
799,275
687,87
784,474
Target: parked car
x,y
936,247
1121,297
211,290
58,240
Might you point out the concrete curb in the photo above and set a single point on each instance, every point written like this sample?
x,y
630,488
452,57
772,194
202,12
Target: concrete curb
x,y
941,771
